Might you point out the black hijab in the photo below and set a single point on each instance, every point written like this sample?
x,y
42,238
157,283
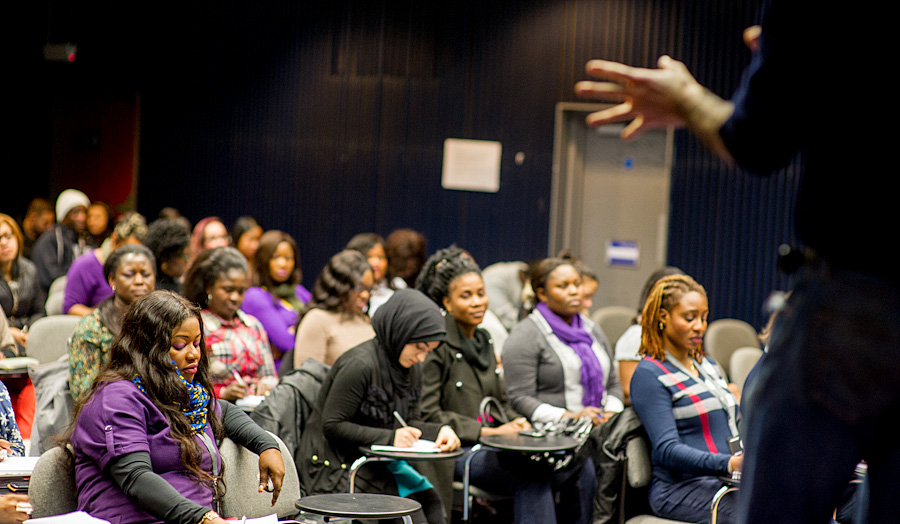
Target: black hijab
x,y
408,317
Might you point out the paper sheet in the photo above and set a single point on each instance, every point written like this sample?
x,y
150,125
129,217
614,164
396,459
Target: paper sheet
x,y
421,446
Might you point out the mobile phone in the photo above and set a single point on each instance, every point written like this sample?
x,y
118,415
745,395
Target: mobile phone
x,y
531,433
735,445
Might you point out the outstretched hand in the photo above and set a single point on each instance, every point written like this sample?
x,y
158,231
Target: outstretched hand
x,y
668,96
649,98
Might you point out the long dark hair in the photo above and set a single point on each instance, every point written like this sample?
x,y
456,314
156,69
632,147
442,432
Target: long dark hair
x,y
268,243
142,350
337,280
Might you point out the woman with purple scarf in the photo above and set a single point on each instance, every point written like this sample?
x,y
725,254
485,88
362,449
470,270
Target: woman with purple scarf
x,y
556,362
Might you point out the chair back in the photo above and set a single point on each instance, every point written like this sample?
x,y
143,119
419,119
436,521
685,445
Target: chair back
x,y
48,337
724,336
58,285
52,487
742,361
54,303
242,496
613,320
638,472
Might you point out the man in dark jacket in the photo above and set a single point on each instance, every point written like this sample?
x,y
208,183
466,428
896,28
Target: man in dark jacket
x,y
58,247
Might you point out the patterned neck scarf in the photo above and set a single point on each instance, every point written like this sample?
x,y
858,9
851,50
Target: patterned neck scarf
x,y
196,410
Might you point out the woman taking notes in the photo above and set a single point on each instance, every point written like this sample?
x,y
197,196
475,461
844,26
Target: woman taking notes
x,y
359,397
145,437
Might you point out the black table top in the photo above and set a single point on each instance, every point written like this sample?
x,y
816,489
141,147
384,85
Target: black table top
x,y
358,505
411,455
516,442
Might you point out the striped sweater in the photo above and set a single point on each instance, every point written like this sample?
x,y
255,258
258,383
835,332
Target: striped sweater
x,y
686,418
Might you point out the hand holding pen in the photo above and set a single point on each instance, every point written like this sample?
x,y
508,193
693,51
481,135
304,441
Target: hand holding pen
x,y
405,436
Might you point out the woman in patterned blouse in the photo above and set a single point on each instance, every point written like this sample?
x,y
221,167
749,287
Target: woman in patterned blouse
x,y
131,272
237,341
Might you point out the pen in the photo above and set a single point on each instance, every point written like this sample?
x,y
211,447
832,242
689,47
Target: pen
x,y
237,376
400,419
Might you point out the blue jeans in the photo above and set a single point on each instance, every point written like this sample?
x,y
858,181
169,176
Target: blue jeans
x,y
534,494
826,396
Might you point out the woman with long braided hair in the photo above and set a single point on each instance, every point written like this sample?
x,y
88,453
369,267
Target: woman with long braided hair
x,y
684,404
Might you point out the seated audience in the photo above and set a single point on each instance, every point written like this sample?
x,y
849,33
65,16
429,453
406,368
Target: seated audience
x,y
209,232
688,433
39,217
246,233
334,320
85,285
145,434
60,245
169,239
240,358
21,297
459,374
130,272
278,297
629,343
557,363
372,246
406,250
358,401
99,223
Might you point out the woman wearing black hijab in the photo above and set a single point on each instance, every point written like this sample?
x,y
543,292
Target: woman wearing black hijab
x,y
356,406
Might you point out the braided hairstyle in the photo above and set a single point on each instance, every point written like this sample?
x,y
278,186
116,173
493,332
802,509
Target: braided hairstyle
x,y
666,294
441,269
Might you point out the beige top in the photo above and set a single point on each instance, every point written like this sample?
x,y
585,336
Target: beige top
x,y
326,335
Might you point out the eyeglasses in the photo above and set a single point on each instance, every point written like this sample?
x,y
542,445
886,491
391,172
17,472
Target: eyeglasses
x,y
363,289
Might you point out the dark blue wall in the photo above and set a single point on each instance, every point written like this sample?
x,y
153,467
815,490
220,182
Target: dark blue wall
x,y
329,120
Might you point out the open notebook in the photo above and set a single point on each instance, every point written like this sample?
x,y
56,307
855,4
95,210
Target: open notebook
x,y
421,446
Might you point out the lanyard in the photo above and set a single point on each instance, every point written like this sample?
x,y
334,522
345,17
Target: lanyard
x,y
709,377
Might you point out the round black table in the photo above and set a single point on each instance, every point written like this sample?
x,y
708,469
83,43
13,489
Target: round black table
x,y
374,455
359,506
525,444
517,443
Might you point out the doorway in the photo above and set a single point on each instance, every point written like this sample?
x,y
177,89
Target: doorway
x,y
610,201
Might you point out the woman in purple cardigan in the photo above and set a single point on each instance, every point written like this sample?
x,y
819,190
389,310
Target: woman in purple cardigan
x,y
277,296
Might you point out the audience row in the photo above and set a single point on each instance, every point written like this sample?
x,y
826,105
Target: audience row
x,y
256,319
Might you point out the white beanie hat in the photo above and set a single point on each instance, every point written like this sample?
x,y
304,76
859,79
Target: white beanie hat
x,y
69,200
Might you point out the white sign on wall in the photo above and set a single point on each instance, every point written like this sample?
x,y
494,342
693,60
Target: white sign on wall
x,y
471,165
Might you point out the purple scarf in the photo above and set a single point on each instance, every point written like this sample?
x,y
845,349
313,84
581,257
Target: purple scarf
x,y
577,338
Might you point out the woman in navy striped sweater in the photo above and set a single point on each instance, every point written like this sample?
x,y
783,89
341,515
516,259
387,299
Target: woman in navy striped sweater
x,y
684,404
